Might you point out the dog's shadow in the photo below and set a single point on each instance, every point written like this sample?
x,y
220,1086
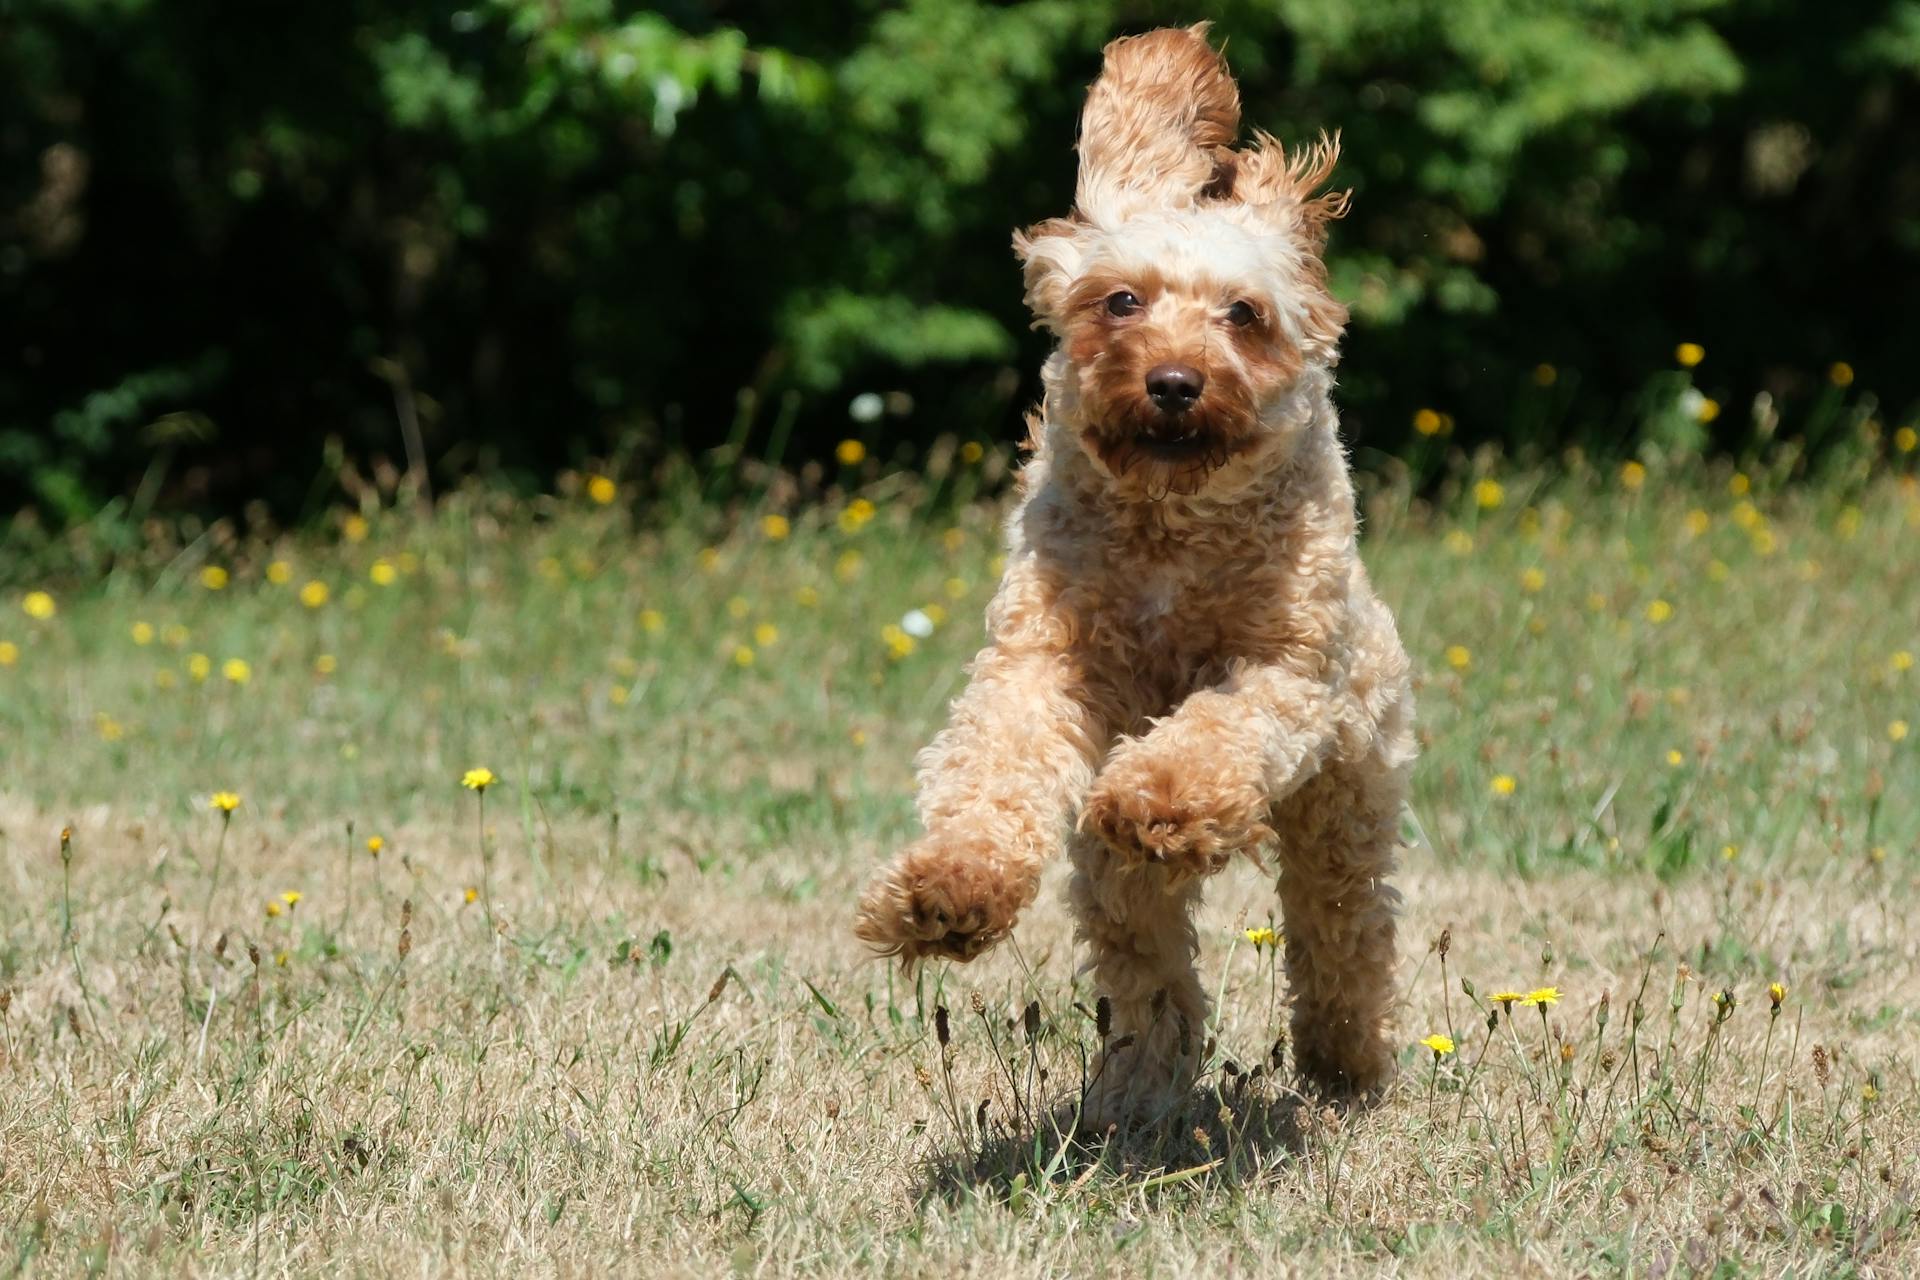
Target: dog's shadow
x,y
1211,1137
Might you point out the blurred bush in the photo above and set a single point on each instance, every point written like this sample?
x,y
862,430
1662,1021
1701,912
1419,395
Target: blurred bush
x,y
239,243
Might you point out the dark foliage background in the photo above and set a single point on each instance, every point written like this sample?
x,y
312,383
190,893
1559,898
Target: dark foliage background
x,y
240,243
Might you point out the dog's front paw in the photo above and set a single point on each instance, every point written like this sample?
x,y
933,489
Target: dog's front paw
x,y
945,895
1173,814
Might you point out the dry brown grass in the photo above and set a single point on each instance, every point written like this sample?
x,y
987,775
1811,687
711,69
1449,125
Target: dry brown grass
x,y
527,1102
1702,696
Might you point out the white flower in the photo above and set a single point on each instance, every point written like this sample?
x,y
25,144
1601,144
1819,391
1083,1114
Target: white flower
x,y
916,624
867,407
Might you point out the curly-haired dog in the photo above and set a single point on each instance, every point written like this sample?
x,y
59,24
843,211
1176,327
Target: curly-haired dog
x,y
1185,649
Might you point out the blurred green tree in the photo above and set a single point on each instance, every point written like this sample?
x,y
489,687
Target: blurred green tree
x,y
524,232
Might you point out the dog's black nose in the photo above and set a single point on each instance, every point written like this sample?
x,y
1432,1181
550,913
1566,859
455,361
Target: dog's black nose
x,y
1174,387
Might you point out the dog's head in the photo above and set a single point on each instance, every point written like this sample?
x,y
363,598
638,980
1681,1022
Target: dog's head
x,y
1186,288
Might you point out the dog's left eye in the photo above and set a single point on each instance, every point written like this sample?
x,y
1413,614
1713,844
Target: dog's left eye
x,y
1241,314
1122,303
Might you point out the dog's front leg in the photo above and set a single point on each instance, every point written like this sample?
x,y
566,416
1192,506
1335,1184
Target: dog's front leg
x,y
996,787
1198,788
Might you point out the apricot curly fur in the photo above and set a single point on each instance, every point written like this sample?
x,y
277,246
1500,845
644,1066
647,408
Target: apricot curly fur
x,y
1186,663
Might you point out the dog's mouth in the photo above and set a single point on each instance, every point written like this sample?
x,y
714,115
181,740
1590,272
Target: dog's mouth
x,y
1175,457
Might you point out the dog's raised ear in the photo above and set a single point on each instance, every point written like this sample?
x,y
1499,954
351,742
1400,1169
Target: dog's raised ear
x,y
1164,105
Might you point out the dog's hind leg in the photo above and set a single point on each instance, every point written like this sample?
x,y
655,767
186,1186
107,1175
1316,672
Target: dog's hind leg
x,y
1137,922
1338,835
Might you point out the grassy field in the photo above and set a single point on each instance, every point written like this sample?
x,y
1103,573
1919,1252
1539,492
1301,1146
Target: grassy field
x,y
608,1015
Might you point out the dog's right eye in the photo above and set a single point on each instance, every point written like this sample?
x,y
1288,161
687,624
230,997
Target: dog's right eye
x,y
1122,304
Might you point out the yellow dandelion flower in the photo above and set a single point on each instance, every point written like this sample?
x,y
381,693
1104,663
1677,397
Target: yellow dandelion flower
x,y
1840,373
273,908
1633,476
199,666
1902,660
1868,1092
954,539
855,516
214,578
1674,758
1847,523
1738,485
1545,375
325,665
375,844
851,453
652,621
1441,1045
1763,542
472,895
806,597
1540,996
972,451
354,527
224,801
1728,852
1459,657
1896,730
1262,937
1906,440
110,730
236,671
618,695
280,959
1689,354
936,614
478,778
848,566
142,633
1698,522
314,594
9,653
602,489
1426,422
899,643
742,655
858,737
279,573
1776,992
1532,580
382,573
1659,611
1488,494
1507,999
1504,784
766,634
708,559
1458,542
292,897
775,527
1708,409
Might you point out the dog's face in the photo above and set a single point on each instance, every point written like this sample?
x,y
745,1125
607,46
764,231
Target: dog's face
x,y
1187,288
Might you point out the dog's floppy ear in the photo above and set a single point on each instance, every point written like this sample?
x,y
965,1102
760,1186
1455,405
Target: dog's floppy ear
x,y
1154,120
1282,188
1049,254
1285,186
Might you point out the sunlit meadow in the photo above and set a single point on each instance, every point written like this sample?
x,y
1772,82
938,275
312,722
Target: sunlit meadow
x,y
469,887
